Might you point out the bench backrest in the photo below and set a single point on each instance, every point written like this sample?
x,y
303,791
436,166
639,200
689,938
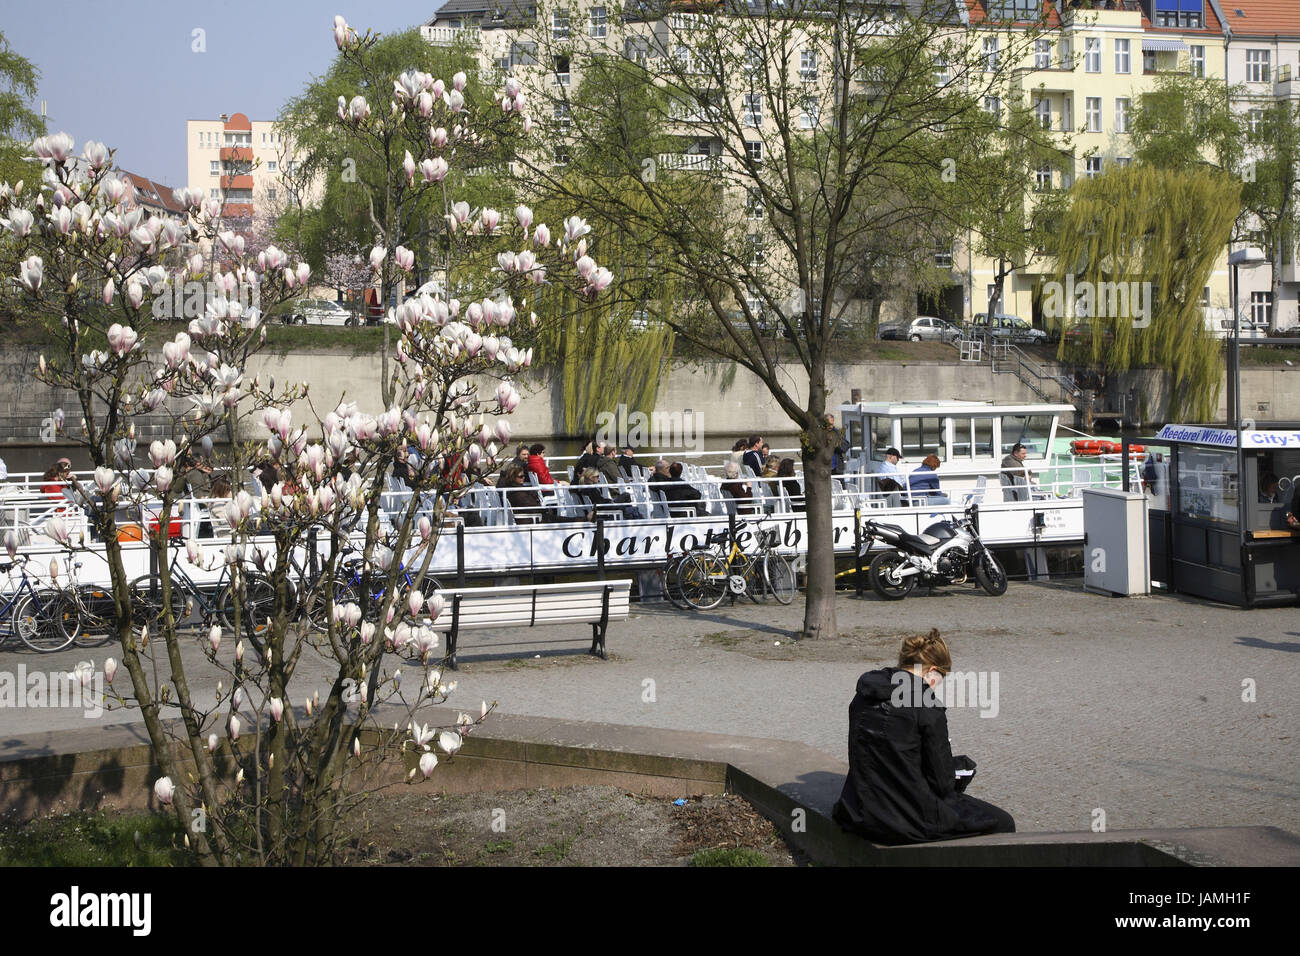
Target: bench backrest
x,y
529,605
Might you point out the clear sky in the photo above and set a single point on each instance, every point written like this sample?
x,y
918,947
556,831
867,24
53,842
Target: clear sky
x,y
130,73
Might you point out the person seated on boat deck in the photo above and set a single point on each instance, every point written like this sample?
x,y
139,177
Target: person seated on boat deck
x,y
754,458
739,489
626,463
888,468
590,457
1016,478
55,479
668,479
1151,473
537,464
902,781
840,454
925,483
738,451
596,497
608,466
790,484
523,499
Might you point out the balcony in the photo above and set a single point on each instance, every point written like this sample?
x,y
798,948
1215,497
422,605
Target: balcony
x,y
243,154
236,182
697,162
1286,87
1104,13
449,36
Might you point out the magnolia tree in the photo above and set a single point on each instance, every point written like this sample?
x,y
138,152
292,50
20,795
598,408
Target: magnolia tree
x,y
259,764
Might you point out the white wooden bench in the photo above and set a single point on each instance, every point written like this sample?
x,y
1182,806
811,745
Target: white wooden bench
x,y
529,605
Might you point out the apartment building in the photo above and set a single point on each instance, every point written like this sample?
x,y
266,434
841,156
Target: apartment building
x,y
241,162
1263,60
1087,65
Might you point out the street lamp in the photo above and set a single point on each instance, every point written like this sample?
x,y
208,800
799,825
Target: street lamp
x,y
1248,257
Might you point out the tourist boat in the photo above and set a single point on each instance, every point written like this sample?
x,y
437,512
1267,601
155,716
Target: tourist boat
x,y
483,535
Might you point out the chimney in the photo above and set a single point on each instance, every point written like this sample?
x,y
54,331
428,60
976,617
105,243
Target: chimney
x,y
225,117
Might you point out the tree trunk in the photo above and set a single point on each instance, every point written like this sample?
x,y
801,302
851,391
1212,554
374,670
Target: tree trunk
x,y
819,605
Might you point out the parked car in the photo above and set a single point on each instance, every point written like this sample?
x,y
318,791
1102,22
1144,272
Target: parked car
x,y
317,312
1081,332
921,328
1007,328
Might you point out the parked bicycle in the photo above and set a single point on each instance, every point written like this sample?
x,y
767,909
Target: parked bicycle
x,y
39,615
214,603
705,578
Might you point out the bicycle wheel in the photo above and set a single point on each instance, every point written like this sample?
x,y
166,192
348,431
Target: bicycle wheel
x,y
147,605
97,615
257,603
39,619
883,576
703,581
780,577
670,577
751,571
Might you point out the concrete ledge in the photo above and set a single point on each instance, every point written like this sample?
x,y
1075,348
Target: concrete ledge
x,y
793,785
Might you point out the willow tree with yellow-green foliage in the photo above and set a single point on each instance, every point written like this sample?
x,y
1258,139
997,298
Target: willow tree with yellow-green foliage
x,y
1135,250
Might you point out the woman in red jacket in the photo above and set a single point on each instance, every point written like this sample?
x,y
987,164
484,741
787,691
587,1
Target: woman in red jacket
x,y
537,464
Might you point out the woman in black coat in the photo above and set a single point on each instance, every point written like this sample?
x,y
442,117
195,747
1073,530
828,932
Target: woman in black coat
x,y
902,785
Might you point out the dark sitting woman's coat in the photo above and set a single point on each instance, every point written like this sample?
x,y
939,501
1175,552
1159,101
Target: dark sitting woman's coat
x,y
901,786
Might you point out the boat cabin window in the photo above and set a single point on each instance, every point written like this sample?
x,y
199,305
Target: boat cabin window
x,y
972,438
923,436
1033,431
882,436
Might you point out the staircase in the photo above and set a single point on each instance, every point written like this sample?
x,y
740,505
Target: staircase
x,y
1007,359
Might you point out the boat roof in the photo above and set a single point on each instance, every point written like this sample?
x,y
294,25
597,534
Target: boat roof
x,y
1216,436
949,407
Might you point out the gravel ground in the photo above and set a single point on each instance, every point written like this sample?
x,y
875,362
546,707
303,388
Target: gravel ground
x,y
1130,707
574,826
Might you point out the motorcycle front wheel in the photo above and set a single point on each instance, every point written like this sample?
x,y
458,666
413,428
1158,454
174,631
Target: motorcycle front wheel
x,y
989,573
883,576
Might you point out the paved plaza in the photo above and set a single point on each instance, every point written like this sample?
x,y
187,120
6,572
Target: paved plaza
x,y
1133,707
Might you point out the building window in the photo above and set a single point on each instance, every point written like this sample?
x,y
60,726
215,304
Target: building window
x,y
757,257
1092,55
559,25
1257,64
1123,57
1255,122
943,255
561,155
562,118
810,118
561,70
214,167
1123,160
598,21
752,105
1122,105
637,49
214,193
808,66
1043,110
754,151
1092,167
1042,54
941,74
270,195
1261,309
753,204
1092,113
523,53
1043,179
993,104
271,166
1067,54
991,54
1198,60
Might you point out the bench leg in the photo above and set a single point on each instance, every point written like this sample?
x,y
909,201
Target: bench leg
x,y
598,642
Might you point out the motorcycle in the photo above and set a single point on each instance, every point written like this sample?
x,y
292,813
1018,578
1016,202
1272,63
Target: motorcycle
x,y
947,552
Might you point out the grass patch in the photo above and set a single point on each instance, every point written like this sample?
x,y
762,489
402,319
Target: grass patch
x,y
86,838
554,852
728,856
500,846
288,338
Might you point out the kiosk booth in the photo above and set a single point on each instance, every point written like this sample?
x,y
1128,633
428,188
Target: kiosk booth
x,y
1218,524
